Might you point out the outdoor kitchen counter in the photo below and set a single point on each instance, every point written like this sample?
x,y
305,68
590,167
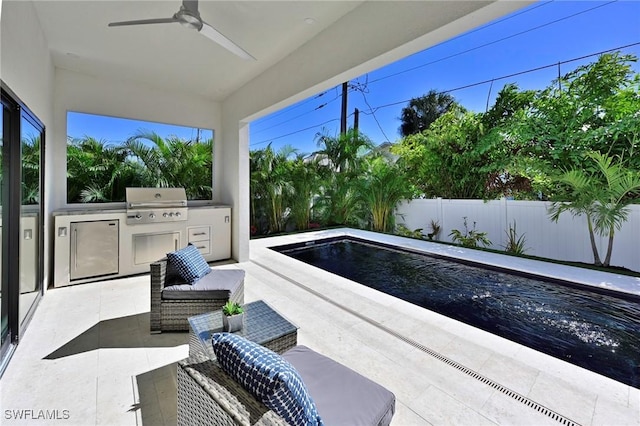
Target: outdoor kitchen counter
x,y
87,210
208,227
102,210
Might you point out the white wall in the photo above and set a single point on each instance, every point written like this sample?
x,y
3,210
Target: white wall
x,y
566,240
26,68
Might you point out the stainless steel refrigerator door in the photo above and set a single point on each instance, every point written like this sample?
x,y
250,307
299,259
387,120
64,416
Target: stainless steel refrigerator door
x,y
94,248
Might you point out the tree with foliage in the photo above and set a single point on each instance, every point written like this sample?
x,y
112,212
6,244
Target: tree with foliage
x,y
171,162
442,161
593,108
97,171
30,170
601,193
500,150
381,187
305,185
344,162
424,110
271,182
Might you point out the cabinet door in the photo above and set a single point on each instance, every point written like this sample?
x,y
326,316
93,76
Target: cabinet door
x,y
221,234
148,248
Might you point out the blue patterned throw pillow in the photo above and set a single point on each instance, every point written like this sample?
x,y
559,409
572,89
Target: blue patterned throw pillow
x,y
189,263
268,376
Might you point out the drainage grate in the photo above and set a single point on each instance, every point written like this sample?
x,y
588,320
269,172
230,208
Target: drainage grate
x,y
487,381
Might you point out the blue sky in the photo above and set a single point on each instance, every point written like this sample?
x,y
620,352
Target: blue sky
x,y
545,33
115,130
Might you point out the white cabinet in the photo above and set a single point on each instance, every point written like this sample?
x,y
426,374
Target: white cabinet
x,y
209,229
200,237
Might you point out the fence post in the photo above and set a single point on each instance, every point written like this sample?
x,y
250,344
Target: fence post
x,y
504,213
440,217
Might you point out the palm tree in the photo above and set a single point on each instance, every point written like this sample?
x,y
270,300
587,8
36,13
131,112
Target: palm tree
x,y
305,185
344,154
424,110
172,162
270,180
30,170
345,151
602,194
96,171
381,188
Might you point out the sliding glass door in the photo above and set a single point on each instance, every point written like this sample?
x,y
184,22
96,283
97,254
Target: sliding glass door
x,y
4,316
21,228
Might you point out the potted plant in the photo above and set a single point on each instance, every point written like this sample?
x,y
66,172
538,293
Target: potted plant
x,y
233,316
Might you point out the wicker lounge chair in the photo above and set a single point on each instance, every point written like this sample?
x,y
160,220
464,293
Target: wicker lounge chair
x,y
209,396
172,304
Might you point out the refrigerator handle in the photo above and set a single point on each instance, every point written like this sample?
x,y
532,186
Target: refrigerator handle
x,y
75,255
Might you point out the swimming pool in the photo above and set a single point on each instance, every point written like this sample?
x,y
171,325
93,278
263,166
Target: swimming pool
x,y
593,330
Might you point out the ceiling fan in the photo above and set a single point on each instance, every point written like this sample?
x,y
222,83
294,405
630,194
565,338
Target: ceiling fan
x,y
189,16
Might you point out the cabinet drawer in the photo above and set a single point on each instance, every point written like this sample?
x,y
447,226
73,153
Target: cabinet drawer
x,y
200,233
203,246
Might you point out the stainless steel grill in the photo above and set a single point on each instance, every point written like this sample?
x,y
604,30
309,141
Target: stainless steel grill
x,y
156,205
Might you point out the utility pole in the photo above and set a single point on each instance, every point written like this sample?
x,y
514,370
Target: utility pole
x,y
343,116
356,120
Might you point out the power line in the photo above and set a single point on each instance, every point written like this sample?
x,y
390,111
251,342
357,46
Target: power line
x,y
555,64
294,132
303,114
490,43
276,114
338,95
363,87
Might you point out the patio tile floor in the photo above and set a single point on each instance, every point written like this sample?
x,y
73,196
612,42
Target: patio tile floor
x,y
88,357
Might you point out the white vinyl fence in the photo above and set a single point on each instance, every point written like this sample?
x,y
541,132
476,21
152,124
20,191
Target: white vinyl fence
x,y
566,240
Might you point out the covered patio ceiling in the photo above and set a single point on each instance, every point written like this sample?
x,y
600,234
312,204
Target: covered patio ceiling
x,y
174,58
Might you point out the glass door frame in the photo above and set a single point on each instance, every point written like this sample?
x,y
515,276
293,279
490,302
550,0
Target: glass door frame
x,y
14,110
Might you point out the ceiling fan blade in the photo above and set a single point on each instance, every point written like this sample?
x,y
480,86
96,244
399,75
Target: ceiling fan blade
x,y
210,32
144,21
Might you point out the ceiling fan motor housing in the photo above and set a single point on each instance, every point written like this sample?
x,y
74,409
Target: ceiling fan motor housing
x,y
188,18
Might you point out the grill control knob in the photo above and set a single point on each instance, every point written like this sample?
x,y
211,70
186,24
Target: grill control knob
x,y
165,214
171,214
138,216
152,215
178,214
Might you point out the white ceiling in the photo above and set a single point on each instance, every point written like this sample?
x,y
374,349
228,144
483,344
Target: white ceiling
x,y
342,35
173,57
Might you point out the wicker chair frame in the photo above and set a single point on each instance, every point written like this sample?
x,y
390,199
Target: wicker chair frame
x,y
209,396
171,315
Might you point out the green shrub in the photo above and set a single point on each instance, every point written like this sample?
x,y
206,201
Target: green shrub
x,y
470,238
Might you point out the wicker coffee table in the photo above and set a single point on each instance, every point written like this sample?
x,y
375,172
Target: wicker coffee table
x,y
262,324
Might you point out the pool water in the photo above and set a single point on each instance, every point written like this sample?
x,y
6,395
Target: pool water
x,y
595,331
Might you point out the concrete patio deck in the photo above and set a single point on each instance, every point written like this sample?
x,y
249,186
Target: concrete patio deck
x,y
88,358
